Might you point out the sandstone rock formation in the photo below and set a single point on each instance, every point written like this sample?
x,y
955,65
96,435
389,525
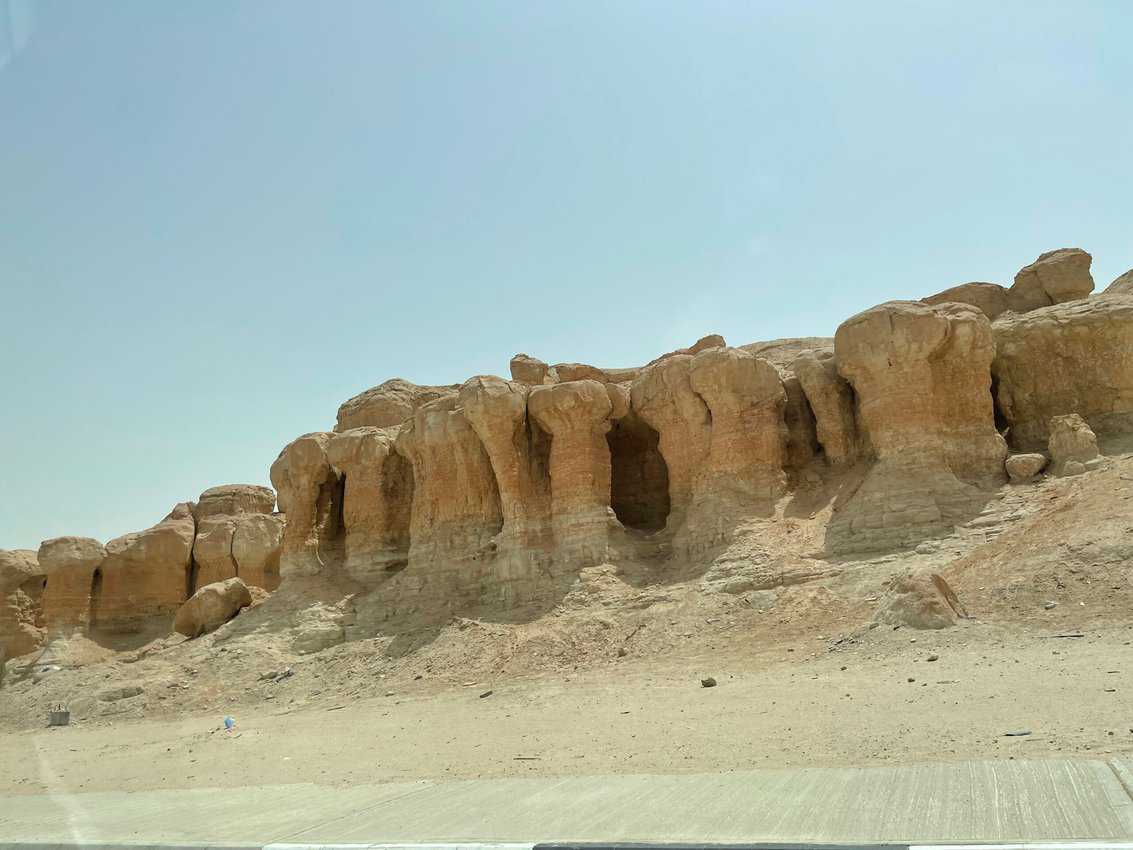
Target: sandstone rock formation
x,y
237,535
145,575
531,370
1122,285
493,498
377,500
69,563
310,494
389,403
577,416
922,378
234,500
990,298
1068,358
920,601
832,399
1022,468
1071,442
21,616
211,607
1055,277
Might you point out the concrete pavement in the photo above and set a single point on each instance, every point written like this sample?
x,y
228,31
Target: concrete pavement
x,y
972,801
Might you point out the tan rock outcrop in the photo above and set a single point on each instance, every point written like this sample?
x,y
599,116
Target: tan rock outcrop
x,y
922,378
69,563
920,601
519,452
1071,441
530,370
456,502
577,416
390,403
310,494
747,435
211,607
377,502
145,575
21,612
235,499
245,545
990,298
832,399
1055,277
702,344
1069,358
663,397
1122,285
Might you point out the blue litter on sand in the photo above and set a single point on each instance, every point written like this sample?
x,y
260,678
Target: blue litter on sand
x,y
229,723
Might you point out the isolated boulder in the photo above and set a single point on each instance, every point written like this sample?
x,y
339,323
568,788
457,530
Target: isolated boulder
x,y
69,563
529,370
1055,277
920,601
145,574
989,298
211,607
21,611
389,403
1071,441
1069,358
1022,468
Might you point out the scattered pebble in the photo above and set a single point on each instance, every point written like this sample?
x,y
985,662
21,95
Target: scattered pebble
x,y
708,682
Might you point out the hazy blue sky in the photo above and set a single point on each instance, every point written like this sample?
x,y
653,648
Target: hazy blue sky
x,y
218,220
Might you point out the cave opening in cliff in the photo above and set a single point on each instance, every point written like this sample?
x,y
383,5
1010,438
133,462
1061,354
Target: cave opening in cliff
x,y
95,597
1001,422
330,522
639,477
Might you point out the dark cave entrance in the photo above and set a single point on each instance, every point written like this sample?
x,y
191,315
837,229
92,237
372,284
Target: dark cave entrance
x,y
95,597
639,478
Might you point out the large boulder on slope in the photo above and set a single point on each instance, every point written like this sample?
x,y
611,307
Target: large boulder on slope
x,y
211,607
920,601
1071,441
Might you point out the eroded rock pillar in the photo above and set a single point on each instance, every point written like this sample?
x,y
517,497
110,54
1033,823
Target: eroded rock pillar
x,y
577,415
310,495
378,488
